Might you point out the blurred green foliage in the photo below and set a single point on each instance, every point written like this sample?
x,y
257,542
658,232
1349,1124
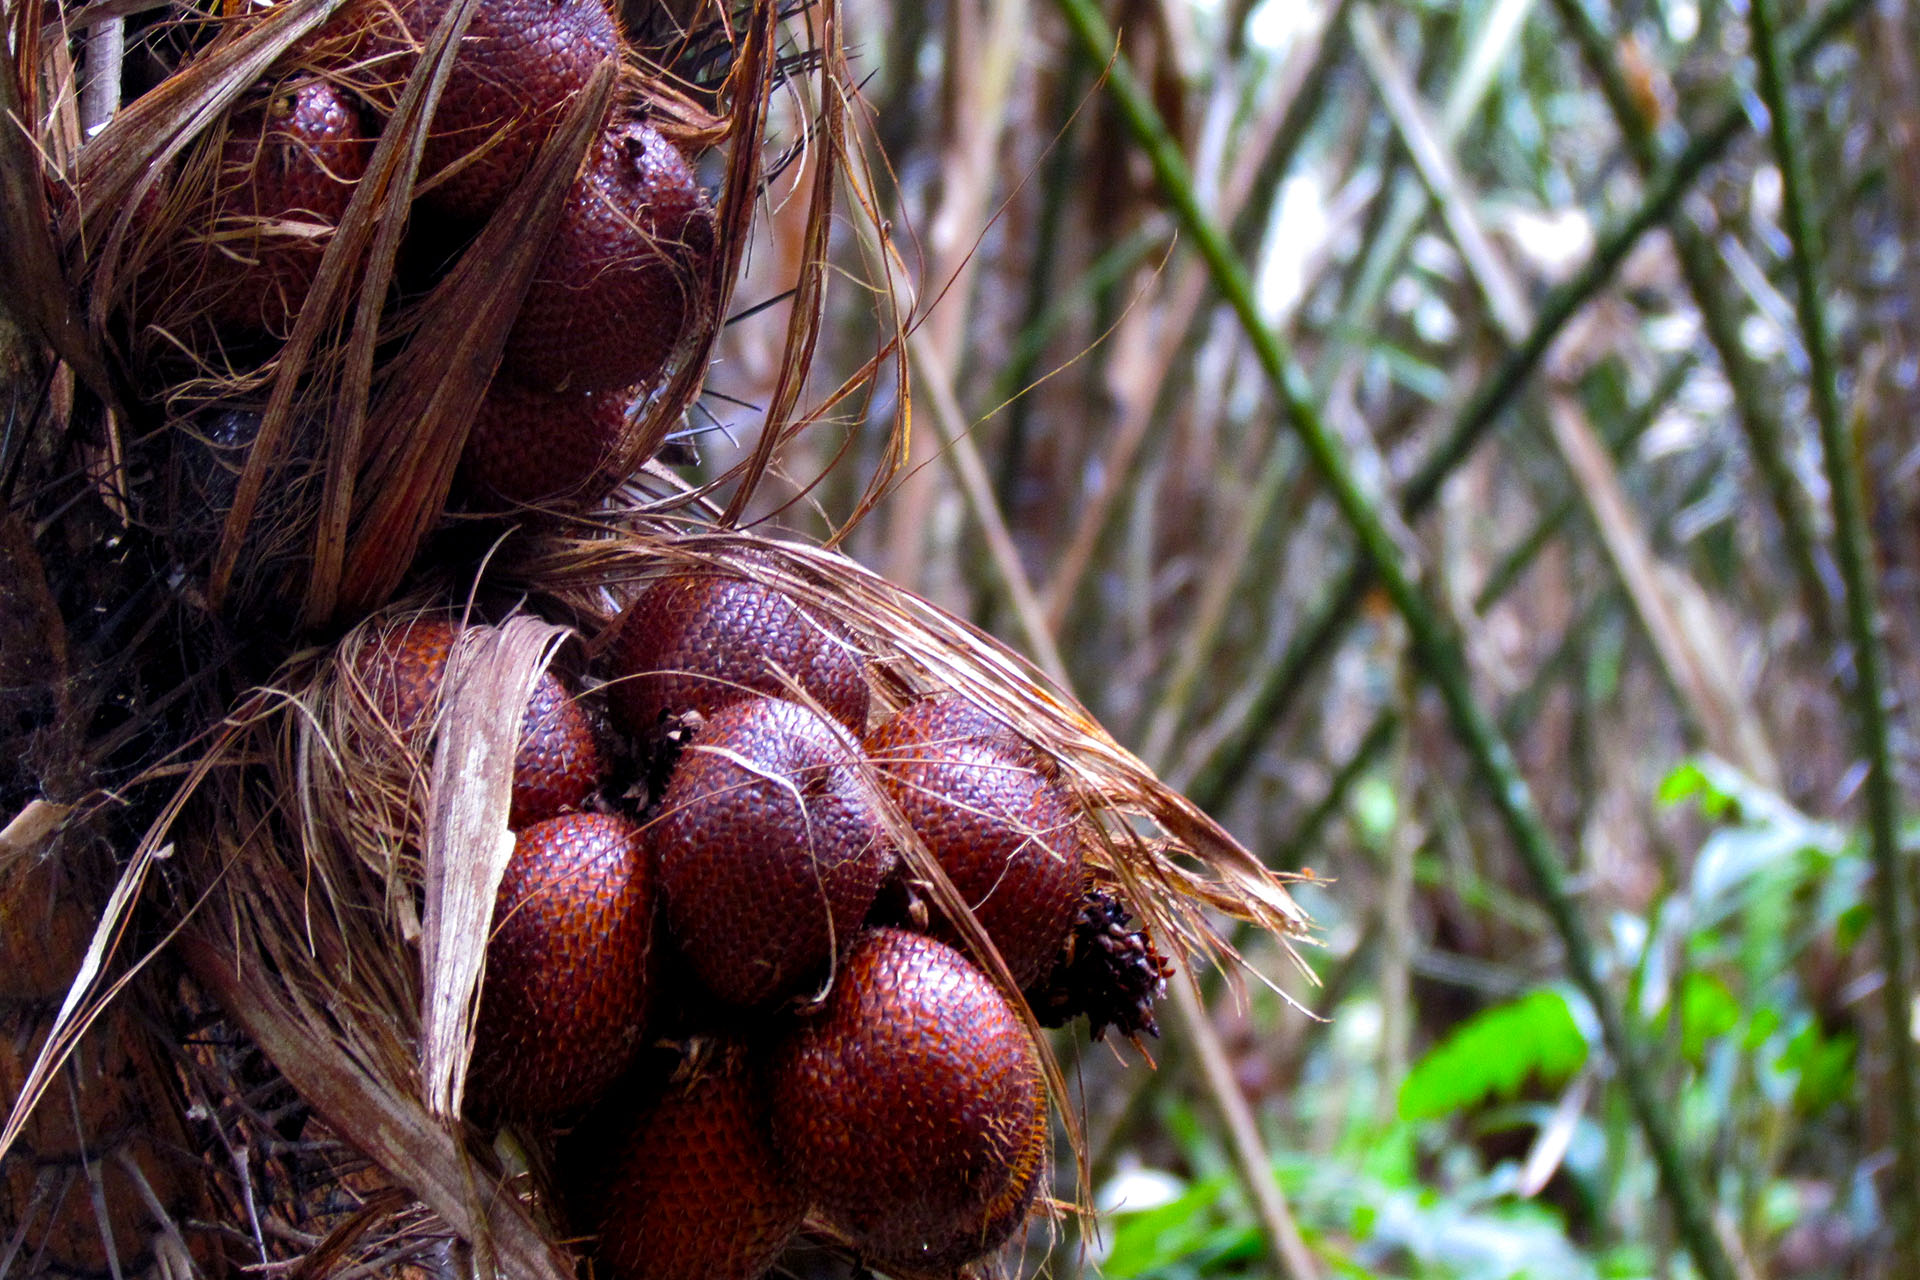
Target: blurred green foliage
x,y
1758,1062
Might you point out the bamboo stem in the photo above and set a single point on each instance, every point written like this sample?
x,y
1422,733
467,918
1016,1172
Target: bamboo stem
x,y
1708,696
1292,852
1438,649
1853,549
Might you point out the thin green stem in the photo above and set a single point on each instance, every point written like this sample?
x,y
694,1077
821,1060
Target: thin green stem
x,y
1293,852
1438,650
1853,549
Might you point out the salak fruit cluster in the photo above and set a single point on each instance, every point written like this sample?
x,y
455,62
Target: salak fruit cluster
x,y
708,853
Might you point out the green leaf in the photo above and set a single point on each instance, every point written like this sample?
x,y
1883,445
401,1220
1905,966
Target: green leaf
x,y
1376,810
1766,1021
1853,923
1692,781
1145,1243
1707,1010
1685,782
1493,1054
1824,1065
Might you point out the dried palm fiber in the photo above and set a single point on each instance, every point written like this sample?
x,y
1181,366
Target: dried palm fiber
x,y
914,647
371,823
1187,868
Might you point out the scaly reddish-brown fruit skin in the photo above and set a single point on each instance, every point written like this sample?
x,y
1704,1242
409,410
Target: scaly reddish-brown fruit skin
x,y
912,1110
1006,834
519,64
537,446
566,991
620,285
287,171
697,641
766,850
559,762
926,724
699,1194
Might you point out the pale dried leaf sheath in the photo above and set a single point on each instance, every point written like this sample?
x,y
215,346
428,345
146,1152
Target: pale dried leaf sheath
x,y
490,679
375,218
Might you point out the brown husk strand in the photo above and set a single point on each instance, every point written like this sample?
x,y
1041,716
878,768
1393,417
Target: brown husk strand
x,y
912,1109
366,404
285,172
119,1118
768,852
697,1192
312,935
519,64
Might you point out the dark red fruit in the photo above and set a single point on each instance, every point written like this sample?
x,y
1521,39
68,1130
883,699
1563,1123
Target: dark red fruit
x,y
699,1194
912,1110
536,446
287,171
696,641
621,283
926,724
559,762
766,850
566,989
1006,834
519,64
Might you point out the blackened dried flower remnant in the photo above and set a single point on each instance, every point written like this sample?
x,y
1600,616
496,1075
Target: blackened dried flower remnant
x,y
1107,970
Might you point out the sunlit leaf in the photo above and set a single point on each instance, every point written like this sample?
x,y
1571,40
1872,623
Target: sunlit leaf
x,y
1707,1010
1824,1065
1376,810
1493,1054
